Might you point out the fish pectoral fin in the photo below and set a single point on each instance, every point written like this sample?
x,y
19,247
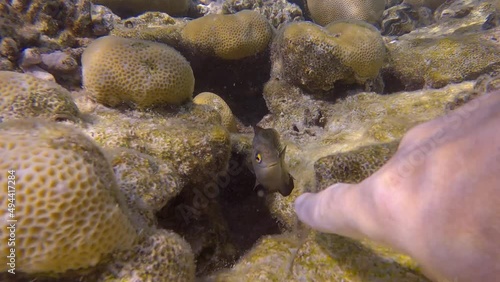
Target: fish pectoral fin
x,y
282,153
256,184
287,189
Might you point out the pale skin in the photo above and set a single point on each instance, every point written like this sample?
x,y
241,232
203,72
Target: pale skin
x,y
437,199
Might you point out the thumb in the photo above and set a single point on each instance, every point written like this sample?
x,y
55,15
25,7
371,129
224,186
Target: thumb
x,y
330,210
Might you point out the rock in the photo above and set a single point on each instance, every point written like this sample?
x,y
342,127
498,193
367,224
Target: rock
x,y
30,57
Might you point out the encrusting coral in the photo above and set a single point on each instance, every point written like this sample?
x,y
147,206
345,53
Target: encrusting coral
x,y
215,101
353,166
192,140
140,73
460,46
70,213
436,62
163,256
24,96
152,26
229,37
313,256
324,12
314,58
129,8
277,12
148,181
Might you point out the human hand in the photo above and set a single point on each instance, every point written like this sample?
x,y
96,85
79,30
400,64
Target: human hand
x,y
437,199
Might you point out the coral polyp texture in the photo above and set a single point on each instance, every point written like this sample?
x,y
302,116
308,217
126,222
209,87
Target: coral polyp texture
x,y
70,213
163,256
314,58
230,37
23,95
215,101
136,72
324,12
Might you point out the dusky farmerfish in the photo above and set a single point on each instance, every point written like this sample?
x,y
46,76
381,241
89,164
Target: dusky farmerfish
x,y
268,162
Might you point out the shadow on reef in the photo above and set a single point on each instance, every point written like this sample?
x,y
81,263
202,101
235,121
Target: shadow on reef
x,y
366,260
240,83
220,229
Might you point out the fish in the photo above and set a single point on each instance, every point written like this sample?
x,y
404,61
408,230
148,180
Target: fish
x,y
268,162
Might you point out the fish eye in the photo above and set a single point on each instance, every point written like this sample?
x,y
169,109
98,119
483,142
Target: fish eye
x,y
258,158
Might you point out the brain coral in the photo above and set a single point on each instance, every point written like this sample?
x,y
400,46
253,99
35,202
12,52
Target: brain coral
x,y
230,37
214,100
137,72
314,58
23,95
324,12
68,208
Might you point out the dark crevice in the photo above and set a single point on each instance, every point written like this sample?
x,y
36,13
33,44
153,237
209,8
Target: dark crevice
x,y
240,83
230,223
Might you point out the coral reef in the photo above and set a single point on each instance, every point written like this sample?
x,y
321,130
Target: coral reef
x,y
324,12
163,256
152,182
70,213
432,4
137,72
23,96
152,26
353,166
269,260
215,101
147,183
319,257
230,37
56,29
364,119
135,7
53,17
172,174
435,62
277,12
401,19
306,55
194,142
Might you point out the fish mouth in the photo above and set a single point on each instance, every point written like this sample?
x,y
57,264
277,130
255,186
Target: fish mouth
x,y
272,165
